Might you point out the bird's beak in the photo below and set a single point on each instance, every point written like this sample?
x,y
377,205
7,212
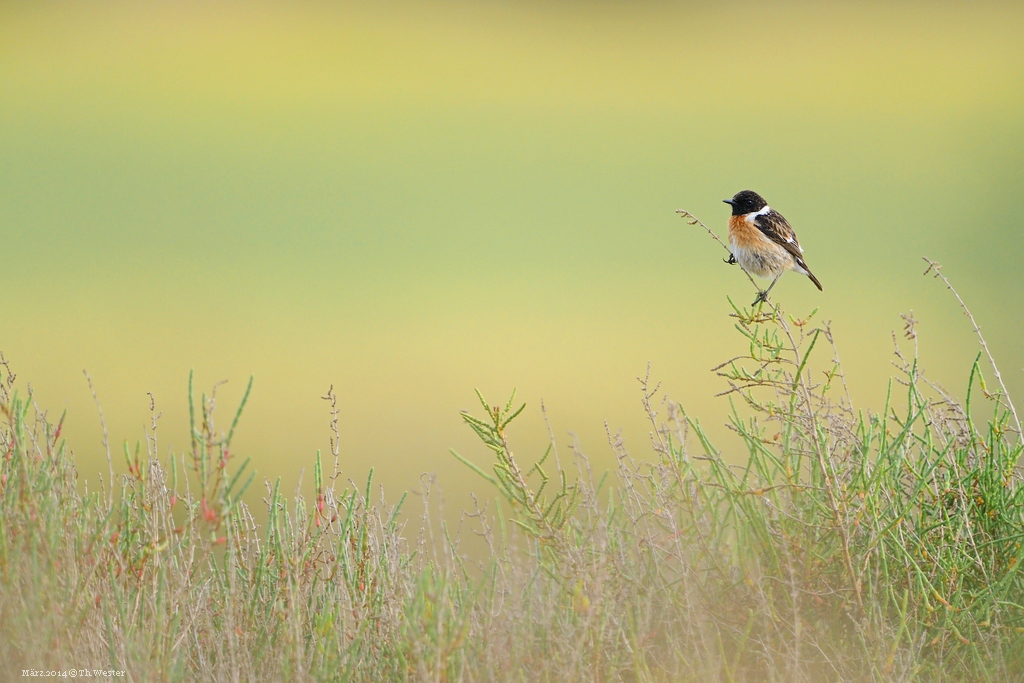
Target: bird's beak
x,y
728,201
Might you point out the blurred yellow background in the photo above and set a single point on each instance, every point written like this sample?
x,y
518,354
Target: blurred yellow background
x,y
409,200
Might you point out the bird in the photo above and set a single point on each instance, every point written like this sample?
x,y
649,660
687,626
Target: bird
x,y
763,242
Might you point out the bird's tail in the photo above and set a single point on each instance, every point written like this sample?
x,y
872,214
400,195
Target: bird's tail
x,y
801,266
815,281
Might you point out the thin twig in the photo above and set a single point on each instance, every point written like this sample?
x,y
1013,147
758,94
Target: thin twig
x,y
551,434
835,352
106,439
934,266
657,440
693,220
332,398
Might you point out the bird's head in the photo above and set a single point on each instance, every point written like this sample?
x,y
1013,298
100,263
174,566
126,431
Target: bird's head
x,y
746,201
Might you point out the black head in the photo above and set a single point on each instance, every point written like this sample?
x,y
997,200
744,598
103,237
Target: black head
x,y
746,201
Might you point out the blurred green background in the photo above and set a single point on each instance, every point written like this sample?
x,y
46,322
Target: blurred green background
x,y
411,200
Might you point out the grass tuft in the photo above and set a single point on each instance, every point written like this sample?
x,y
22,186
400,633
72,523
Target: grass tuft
x,y
843,544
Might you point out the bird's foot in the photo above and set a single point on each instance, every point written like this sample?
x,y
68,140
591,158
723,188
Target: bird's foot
x,y
731,260
762,297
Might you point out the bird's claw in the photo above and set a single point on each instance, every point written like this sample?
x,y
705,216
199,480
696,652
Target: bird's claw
x,y
762,297
731,260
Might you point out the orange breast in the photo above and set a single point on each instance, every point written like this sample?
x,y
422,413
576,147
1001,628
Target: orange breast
x,y
745,235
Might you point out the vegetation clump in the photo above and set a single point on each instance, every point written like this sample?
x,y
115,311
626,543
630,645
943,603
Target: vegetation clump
x,y
843,545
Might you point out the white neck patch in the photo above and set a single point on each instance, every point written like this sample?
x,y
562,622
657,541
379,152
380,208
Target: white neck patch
x,y
752,216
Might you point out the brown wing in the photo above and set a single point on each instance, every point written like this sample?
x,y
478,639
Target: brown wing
x,y
776,228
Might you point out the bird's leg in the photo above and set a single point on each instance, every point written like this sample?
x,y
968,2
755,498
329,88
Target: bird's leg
x,y
731,260
763,296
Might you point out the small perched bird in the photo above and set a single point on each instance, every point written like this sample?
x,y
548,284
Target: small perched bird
x,y
763,242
